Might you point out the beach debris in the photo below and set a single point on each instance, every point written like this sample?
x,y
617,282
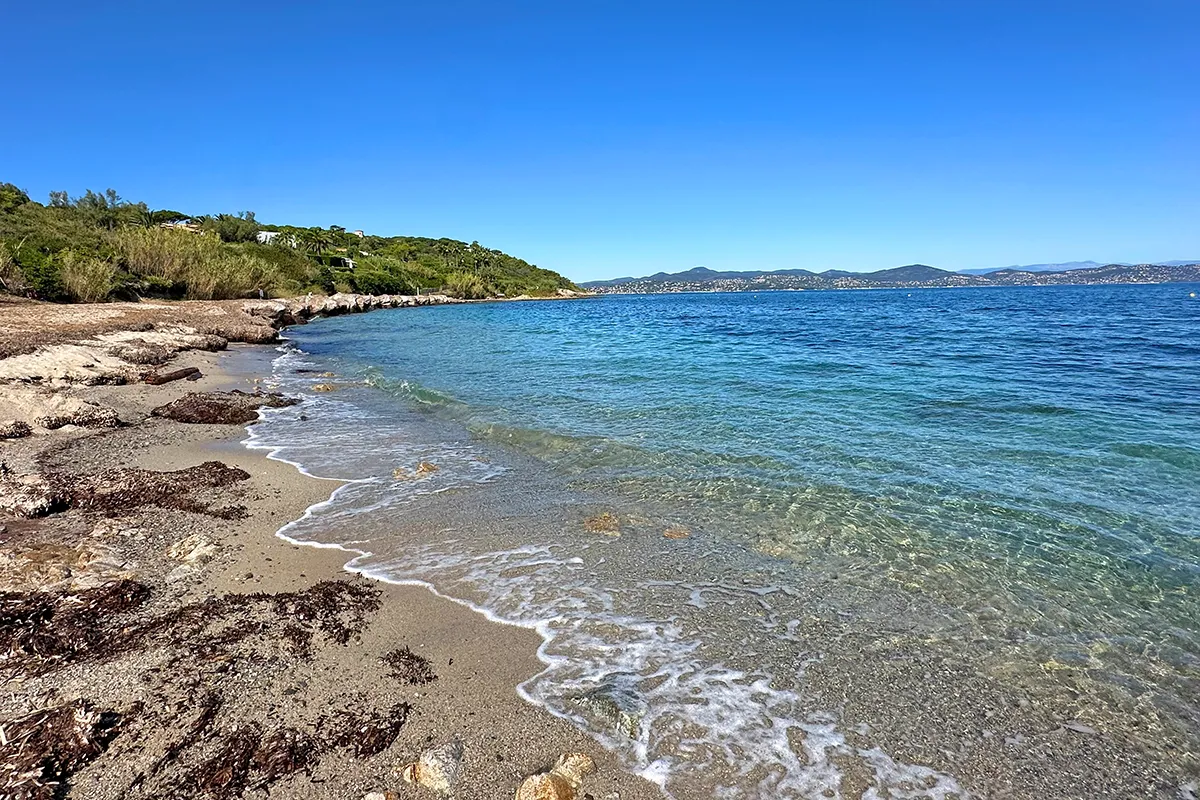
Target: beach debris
x,y
408,667
676,532
563,780
221,408
323,387
248,759
83,415
438,769
159,378
195,549
39,751
27,495
607,523
15,429
39,630
368,733
387,795
1079,727
615,702
117,490
38,406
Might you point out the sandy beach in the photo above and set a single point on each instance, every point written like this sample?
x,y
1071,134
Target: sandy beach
x,y
162,641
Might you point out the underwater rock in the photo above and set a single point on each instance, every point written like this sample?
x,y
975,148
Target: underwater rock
x,y
615,702
323,387
676,532
607,523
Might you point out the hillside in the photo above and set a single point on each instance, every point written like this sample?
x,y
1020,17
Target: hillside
x,y
910,276
100,247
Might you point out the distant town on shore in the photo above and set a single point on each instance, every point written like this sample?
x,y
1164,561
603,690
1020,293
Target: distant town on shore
x,y
915,276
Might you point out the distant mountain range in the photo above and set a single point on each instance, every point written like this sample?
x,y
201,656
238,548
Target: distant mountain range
x,y
701,279
1069,265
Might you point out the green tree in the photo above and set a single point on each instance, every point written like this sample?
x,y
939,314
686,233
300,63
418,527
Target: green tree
x,y
11,197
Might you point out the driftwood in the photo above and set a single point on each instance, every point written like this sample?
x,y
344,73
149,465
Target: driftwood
x,y
159,378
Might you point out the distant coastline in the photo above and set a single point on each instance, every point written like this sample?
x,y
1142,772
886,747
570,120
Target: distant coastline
x,y
914,276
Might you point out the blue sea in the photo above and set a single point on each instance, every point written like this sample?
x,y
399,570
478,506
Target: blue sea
x,y
713,505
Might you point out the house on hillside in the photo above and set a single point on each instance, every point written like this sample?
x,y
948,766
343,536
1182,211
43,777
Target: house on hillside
x,y
182,225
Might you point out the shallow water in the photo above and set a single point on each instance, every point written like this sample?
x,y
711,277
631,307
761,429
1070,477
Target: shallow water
x,y
1005,477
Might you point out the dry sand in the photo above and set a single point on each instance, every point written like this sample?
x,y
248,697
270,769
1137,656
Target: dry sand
x,y
229,669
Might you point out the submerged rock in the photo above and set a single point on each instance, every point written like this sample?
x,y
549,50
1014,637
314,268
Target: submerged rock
x,y
615,703
607,523
220,408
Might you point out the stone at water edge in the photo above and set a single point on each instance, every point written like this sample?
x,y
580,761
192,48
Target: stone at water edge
x,y
438,769
560,783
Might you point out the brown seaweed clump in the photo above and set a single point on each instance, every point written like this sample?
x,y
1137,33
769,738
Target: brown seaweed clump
x,y
246,759
221,408
368,733
118,490
409,667
39,630
40,751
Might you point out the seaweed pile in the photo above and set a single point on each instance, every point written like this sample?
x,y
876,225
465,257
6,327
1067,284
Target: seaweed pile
x,y
117,490
219,754
220,408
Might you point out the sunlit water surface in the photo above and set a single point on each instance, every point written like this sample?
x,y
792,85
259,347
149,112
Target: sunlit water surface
x,y
1013,471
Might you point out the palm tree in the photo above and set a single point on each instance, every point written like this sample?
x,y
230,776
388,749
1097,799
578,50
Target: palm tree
x,y
315,240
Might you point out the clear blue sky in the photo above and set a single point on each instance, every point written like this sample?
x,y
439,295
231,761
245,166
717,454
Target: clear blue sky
x,y
611,138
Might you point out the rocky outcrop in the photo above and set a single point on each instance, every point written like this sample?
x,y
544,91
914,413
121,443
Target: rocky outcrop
x,y
220,408
297,310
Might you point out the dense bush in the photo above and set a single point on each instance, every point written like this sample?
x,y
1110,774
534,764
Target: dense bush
x,y
100,246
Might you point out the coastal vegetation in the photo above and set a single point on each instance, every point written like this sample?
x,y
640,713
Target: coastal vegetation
x,y
99,247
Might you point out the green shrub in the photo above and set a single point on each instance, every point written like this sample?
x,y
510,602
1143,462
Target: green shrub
x,y
466,286
12,280
86,278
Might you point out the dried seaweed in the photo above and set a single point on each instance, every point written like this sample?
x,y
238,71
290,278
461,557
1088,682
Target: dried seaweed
x,y
283,752
126,489
227,773
41,629
118,490
220,408
40,751
368,733
409,667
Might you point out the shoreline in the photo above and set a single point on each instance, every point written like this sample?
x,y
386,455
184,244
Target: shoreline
x,y
156,688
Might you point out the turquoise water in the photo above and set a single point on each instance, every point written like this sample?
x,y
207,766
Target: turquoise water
x,y
1009,472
